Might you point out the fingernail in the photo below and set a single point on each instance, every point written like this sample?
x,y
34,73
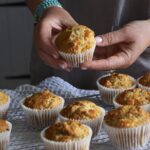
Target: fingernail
x,y
98,39
83,68
62,66
55,56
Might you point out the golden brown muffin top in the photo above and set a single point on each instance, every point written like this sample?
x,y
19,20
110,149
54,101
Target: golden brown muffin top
x,y
43,100
127,117
135,96
81,110
75,40
3,98
66,131
3,126
145,79
117,81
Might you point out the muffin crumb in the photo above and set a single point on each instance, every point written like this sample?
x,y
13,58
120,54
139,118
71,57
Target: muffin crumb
x,y
43,100
117,81
75,40
66,131
81,110
135,96
127,117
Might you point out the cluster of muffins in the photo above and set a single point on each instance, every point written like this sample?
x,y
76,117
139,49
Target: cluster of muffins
x,y
128,125
72,126
76,44
112,84
69,127
85,112
78,122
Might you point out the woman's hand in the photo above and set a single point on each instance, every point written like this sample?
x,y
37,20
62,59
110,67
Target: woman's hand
x,y
52,22
121,48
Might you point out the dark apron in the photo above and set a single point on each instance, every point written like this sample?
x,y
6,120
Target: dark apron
x,y
102,16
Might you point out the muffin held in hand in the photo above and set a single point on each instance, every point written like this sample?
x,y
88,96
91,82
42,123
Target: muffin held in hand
x,y
42,108
112,84
76,44
137,96
128,127
144,81
5,130
68,135
85,112
4,104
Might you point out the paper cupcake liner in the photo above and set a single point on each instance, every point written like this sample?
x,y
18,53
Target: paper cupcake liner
x,y
5,137
94,124
146,107
81,144
39,119
4,109
142,86
107,94
76,59
128,138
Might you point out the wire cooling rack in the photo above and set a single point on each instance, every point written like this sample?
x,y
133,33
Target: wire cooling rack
x,y
25,138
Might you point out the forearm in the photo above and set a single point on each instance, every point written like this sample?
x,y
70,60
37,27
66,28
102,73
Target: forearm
x,y
32,4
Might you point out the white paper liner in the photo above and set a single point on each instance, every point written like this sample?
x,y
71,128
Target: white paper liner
x,y
76,59
81,144
5,137
146,107
94,124
142,86
39,119
4,109
107,94
128,138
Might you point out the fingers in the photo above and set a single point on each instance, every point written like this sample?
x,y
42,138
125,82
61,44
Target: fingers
x,y
54,63
121,60
110,38
43,38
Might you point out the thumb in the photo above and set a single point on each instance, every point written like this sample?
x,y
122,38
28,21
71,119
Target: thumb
x,y
69,22
110,38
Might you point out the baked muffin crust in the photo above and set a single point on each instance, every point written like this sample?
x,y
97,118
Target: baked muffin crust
x,y
66,131
145,80
135,96
81,110
3,98
127,117
75,40
3,126
43,100
117,81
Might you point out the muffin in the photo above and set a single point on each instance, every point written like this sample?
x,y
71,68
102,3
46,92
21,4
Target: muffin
x,y
4,104
144,81
67,135
5,130
42,108
112,84
128,127
76,44
137,97
85,112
